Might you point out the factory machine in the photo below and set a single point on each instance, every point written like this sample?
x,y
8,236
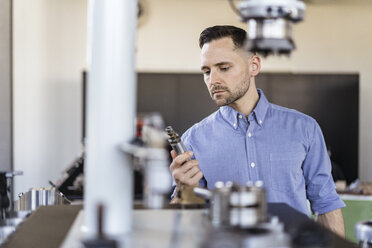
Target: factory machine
x,y
230,215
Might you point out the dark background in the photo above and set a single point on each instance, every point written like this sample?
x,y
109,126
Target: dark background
x,y
332,99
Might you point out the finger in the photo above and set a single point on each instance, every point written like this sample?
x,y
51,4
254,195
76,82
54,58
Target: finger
x,y
195,180
192,172
178,160
189,165
182,158
173,154
179,171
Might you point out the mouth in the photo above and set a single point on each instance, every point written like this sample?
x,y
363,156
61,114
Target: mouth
x,y
217,92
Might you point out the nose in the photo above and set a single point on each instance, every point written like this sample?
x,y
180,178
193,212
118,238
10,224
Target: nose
x,y
214,78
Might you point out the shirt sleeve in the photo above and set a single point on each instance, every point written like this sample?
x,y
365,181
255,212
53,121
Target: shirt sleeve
x,y
320,187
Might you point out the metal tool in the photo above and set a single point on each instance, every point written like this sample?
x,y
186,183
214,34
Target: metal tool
x,y
175,141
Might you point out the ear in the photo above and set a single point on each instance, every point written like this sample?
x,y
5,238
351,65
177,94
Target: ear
x,y
254,65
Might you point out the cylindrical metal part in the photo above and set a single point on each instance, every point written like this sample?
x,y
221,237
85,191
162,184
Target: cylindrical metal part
x,y
363,232
36,197
175,141
247,206
111,114
220,209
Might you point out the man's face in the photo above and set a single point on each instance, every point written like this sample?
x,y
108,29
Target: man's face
x,y
225,70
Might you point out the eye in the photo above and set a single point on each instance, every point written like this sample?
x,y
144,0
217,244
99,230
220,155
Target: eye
x,y
206,73
226,68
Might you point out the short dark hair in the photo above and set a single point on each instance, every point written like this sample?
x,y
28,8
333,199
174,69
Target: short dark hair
x,y
238,35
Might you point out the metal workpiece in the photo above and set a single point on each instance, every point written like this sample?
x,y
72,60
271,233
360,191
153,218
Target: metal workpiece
x,y
270,24
363,232
175,141
233,205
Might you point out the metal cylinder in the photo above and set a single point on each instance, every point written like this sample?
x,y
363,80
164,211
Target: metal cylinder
x,y
363,232
111,114
36,197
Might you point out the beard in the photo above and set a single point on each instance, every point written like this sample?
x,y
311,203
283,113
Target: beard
x,y
229,96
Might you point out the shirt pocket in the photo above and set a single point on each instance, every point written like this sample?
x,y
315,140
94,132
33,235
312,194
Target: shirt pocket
x,y
286,170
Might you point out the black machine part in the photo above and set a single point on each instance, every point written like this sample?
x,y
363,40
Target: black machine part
x,y
4,199
75,170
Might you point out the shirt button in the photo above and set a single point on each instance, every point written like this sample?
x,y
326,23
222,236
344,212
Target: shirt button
x,y
240,116
253,165
234,125
249,134
260,121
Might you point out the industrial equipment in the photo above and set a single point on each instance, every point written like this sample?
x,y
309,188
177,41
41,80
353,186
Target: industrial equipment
x,y
35,197
363,232
270,24
150,156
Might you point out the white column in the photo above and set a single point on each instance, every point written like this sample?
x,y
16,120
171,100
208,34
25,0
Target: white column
x,y
110,113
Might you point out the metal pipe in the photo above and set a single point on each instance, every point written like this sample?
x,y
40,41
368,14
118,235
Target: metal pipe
x,y
110,114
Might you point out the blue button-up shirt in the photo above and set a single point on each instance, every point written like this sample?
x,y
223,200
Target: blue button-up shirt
x,y
281,147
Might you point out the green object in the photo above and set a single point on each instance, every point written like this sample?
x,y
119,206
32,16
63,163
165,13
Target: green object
x,y
355,210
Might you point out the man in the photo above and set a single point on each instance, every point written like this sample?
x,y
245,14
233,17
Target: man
x,y
250,139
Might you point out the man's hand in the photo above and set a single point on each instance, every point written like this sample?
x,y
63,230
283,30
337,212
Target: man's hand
x,y
184,170
333,221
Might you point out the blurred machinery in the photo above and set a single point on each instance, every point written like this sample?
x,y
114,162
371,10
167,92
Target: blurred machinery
x,y
9,219
35,197
150,158
238,213
270,24
363,233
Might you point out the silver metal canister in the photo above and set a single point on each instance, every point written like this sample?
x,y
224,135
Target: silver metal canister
x,y
36,197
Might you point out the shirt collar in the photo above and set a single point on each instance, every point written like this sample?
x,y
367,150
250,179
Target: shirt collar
x,y
259,113
261,108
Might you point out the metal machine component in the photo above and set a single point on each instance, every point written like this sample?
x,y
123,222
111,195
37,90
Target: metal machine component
x,y
9,219
36,197
72,183
175,141
270,24
239,216
233,205
5,185
363,232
